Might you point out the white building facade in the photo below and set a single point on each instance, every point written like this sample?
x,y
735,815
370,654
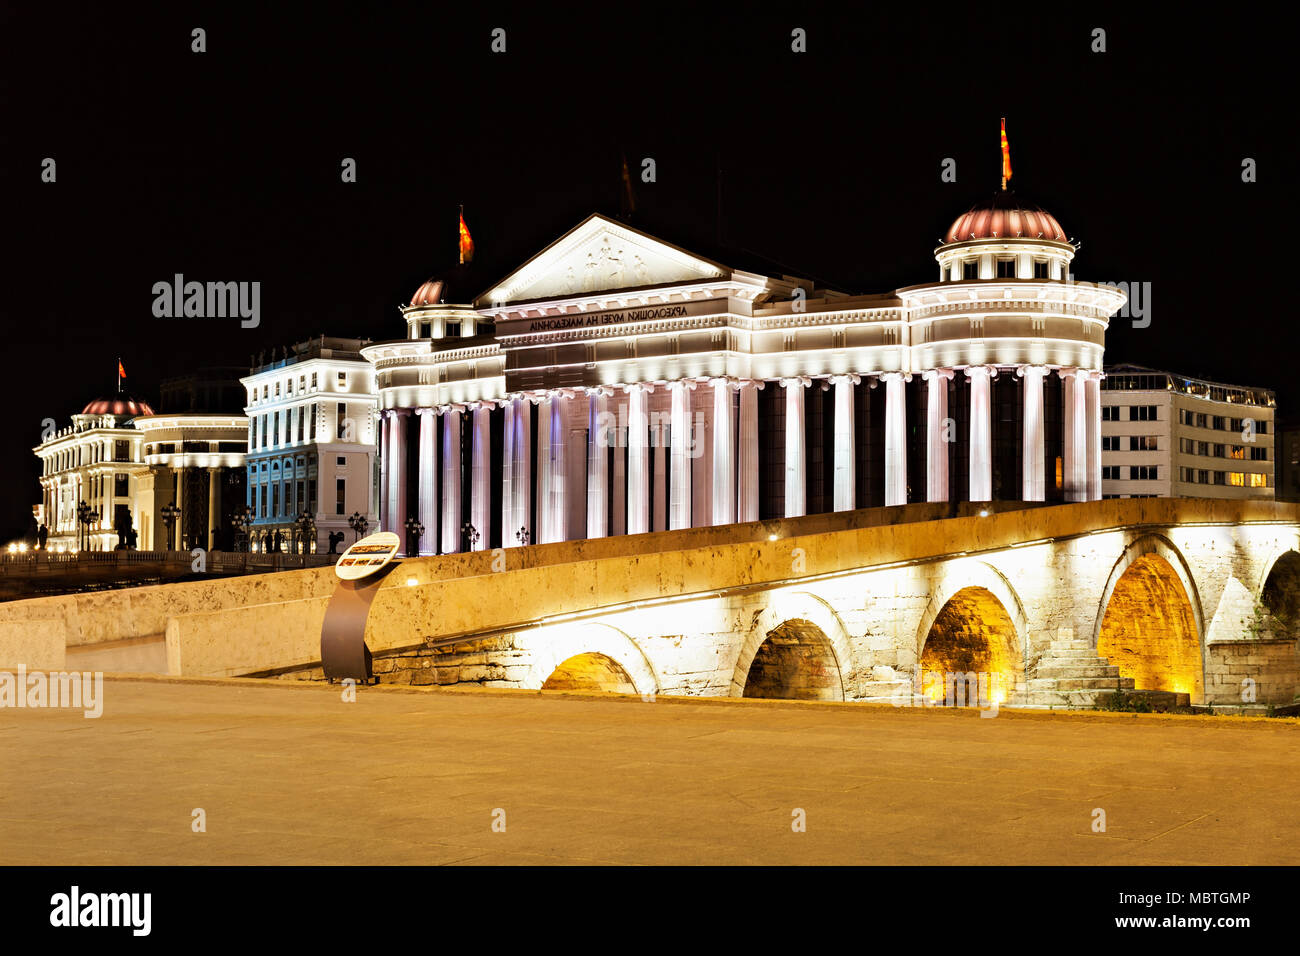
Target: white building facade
x,y
618,384
1167,435
311,445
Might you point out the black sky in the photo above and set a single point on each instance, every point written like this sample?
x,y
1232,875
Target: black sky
x,y
225,166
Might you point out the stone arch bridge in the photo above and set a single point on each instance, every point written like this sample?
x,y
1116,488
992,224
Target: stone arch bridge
x,y
1056,604
1194,597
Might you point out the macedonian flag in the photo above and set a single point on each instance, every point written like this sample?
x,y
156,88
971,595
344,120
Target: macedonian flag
x,y
1006,155
466,241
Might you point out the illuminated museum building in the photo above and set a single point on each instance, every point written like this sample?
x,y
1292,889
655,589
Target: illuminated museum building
x,y
311,443
617,384
129,464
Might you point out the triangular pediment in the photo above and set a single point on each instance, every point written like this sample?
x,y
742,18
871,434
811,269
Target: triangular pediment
x,y
600,255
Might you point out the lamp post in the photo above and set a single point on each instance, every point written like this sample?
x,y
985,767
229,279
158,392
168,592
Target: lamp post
x,y
169,515
240,519
413,530
306,522
358,524
85,516
468,536
522,535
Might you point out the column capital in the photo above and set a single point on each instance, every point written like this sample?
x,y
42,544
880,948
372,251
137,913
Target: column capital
x,y
846,378
943,373
686,383
741,384
973,370
889,376
1023,370
424,410
600,391
803,380
638,387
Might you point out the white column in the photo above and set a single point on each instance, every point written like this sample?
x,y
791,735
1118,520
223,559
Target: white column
x,y
747,453
545,471
385,475
981,432
895,437
679,493
521,474
638,475
724,461
397,490
937,438
508,524
480,496
845,451
1092,388
428,484
451,479
1076,435
1033,484
559,491
795,466
600,438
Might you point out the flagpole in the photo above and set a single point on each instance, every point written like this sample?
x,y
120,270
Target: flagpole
x,y
459,246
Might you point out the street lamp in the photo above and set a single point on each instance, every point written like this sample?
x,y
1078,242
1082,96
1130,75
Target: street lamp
x,y
240,519
86,515
468,536
522,535
306,522
169,515
413,530
358,524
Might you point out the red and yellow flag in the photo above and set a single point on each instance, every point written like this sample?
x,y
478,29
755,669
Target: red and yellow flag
x,y
121,372
1006,155
466,241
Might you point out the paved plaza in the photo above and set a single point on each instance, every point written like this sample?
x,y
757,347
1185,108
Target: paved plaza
x,y
291,774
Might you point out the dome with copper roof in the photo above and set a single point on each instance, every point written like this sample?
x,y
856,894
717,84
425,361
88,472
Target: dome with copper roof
x,y
1005,217
119,404
430,293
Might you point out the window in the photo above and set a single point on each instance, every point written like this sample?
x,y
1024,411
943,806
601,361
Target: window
x,y
313,381
1110,472
343,422
1187,475
121,450
1261,428
1187,446
342,380
1006,268
1220,450
1236,479
302,424
277,389
1258,481
1217,423
302,383
340,496
1110,442
121,485
1142,443
451,330
341,460
1143,472
252,432
313,421
1237,451
970,269
1110,413
288,387
1040,269
1142,413
264,392
1200,421
1259,454
1202,477
426,330
1220,478
1202,448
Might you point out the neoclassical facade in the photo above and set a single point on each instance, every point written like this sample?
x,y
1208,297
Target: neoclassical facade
x,y
618,384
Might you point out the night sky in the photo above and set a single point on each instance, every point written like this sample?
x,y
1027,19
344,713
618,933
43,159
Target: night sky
x,y
225,166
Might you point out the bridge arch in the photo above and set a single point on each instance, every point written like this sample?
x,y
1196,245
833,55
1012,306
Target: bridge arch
x,y
590,656
797,636
974,622
1150,622
1279,590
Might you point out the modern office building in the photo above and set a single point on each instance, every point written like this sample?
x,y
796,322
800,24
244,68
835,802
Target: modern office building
x,y
311,444
1165,434
616,383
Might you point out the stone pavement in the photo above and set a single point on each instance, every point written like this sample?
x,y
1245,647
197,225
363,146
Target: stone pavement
x,y
289,773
